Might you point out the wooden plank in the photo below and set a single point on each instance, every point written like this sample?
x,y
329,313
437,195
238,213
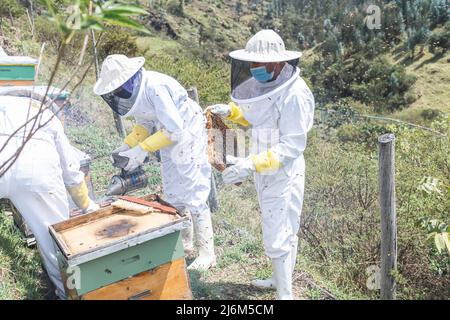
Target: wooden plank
x,y
388,215
73,222
166,282
152,204
110,229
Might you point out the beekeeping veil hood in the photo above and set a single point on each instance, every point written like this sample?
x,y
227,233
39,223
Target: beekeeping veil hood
x,y
119,82
264,47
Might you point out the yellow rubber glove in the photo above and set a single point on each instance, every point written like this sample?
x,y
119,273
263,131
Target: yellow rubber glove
x,y
236,115
155,142
80,195
136,136
266,161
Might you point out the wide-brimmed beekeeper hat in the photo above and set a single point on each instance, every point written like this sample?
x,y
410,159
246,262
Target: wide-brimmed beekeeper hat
x,y
265,46
116,70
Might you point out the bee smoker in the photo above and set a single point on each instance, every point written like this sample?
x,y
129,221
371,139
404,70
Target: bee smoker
x,y
127,182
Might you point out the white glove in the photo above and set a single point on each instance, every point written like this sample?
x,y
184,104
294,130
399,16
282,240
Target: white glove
x,y
123,147
136,157
241,169
92,207
222,110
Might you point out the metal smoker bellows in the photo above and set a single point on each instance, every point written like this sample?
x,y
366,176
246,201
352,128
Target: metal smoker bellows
x,y
127,181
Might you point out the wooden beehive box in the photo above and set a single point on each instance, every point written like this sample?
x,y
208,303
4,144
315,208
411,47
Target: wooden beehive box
x,y
17,70
116,253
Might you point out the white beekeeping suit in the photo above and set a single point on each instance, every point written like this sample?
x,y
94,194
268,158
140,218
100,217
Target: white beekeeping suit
x,y
36,183
158,101
270,96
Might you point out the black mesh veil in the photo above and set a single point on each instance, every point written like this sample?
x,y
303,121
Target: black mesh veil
x,y
121,103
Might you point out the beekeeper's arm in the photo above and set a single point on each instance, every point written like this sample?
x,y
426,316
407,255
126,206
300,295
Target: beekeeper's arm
x,y
169,117
296,120
171,132
70,166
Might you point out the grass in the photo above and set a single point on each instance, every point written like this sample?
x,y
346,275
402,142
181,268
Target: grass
x,y
21,275
156,45
432,86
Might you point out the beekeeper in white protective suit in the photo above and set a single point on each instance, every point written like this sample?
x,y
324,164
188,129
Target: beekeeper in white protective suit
x,y
37,181
158,102
269,95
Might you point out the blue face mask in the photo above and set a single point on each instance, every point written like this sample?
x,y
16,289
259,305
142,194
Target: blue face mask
x,y
261,74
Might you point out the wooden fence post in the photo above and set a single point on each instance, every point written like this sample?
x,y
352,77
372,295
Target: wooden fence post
x,y
213,199
386,181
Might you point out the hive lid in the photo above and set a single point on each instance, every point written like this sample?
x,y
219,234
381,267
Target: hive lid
x,y
17,60
108,230
53,92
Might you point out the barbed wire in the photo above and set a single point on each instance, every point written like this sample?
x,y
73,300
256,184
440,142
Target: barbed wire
x,y
356,114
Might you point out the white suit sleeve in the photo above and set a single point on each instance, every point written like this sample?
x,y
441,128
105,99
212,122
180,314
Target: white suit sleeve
x,y
68,157
167,113
296,119
149,125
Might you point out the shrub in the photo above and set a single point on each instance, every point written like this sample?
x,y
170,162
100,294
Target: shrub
x,y
340,220
376,83
10,7
431,114
45,31
211,80
117,41
176,7
439,40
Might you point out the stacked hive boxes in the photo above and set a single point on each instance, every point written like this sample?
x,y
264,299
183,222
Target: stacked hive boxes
x,y
17,70
116,253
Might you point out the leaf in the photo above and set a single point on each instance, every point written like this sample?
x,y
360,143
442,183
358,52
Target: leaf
x,y
439,242
431,236
125,10
125,22
430,185
92,23
446,237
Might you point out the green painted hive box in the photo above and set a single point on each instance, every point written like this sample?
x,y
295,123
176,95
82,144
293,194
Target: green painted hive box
x,y
112,244
17,68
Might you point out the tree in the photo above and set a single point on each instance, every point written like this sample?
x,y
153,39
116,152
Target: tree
x,y
10,9
301,41
439,12
331,47
417,37
238,9
393,26
439,40
176,7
